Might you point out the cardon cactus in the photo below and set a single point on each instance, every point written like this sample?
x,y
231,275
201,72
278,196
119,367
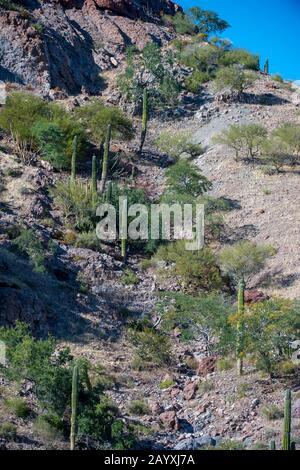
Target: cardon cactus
x,y
94,174
74,405
241,309
266,67
105,158
74,159
144,118
286,443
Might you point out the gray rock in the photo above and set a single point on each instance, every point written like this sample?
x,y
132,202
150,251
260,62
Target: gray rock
x,y
193,443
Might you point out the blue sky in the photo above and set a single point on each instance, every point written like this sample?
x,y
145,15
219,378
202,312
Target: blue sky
x,y
270,28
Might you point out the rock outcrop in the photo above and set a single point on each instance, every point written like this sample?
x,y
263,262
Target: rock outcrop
x,y
66,44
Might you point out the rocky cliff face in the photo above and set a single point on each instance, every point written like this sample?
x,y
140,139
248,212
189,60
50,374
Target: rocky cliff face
x,y
66,44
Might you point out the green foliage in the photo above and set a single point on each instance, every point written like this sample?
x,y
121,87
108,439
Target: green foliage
x,y
268,329
195,80
196,270
78,204
240,57
18,406
185,183
234,78
204,59
165,384
230,445
197,20
138,407
36,125
289,135
50,139
95,116
50,370
145,117
30,245
8,431
49,427
244,259
129,278
225,364
20,113
149,69
88,240
74,406
151,346
275,154
246,138
35,360
272,412
278,78
176,143
204,318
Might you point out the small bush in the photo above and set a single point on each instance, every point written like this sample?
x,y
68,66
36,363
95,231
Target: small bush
x,y
205,387
138,407
196,79
165,384
88,240
18,406
129,278
48,427
241,57
29,244
225,364
8,431
272,412
178,143
230,445
151,347
286,368
234,78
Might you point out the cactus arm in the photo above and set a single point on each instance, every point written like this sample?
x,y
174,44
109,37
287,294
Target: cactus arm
x,y
94,174
286,443
241,310
74,159
74,405
145,117
105,159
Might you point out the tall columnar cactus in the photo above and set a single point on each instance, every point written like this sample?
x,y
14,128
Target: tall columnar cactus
x,y
74,405
105,158
273,445
286,443
94,174
74,159
266,67
123,226
108,194
145,117
241,310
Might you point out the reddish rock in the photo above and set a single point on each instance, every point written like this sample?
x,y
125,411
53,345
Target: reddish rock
x,y
156,408
254,296
189,391
206,366
169,420
175,391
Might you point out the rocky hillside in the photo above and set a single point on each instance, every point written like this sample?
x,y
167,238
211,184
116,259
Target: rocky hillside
x,y
65,45
168,365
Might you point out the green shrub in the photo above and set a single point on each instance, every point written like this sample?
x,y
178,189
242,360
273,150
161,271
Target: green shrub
x,y
272,412
176,143
240,57
278,78
230,445
197,270
96,117
275,154
138,407
78,204
18,406
8,431
151,347
195,80
29,244
51,141
185,183
289,134
234,78
165,384
48,427
129,278
225,364
88,240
